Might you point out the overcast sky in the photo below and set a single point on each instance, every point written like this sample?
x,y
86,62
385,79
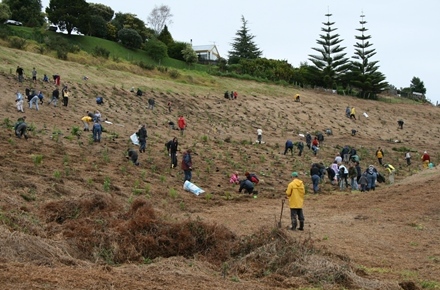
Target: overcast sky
x,y
404,33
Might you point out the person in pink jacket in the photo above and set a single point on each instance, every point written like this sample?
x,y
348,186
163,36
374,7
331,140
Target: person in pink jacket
x,y
234,178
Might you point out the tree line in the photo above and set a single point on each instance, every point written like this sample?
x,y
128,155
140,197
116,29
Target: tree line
x,y
329,66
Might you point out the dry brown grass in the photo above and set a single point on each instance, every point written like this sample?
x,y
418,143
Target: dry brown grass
x,y
143,215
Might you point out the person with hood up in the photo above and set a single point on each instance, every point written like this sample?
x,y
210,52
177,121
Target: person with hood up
x,y
142,136
371,178
295,194
187,165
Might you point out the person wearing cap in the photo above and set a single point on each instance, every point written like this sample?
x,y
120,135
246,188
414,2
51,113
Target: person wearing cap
x,y
426,159
295,193
297,98
187,165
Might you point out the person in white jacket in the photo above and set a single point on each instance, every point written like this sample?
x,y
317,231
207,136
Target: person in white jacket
x,y
19,102
259,135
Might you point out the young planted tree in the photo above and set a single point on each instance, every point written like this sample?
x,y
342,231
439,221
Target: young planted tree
x,y
365,74
243,46
330,64
159,17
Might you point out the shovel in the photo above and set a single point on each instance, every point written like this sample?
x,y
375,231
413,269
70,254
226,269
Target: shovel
x,y
281,215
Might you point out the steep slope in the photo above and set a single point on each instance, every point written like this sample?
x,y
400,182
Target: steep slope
x,y
48,207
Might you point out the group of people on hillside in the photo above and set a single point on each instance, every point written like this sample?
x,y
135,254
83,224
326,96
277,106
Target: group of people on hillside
x,y
232,95
247,183
350,112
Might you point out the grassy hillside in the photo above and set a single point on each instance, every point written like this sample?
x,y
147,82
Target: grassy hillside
x,y
79,206
117,51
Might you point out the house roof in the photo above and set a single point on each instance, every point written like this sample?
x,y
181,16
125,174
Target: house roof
x,y
204,47
211,48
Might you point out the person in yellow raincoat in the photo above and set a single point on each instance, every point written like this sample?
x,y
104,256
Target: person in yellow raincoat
x,y
86,121
295,193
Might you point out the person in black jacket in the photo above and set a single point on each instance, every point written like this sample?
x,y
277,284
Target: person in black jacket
x,y
172,151
315,173
309,140
133,156
142,136
55,96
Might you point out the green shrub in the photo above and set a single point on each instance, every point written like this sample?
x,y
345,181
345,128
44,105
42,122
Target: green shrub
x,y
17,42
174,74
100,51
62,54
146,66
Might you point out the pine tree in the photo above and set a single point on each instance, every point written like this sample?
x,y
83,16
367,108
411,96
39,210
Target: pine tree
x,y
243,46
331,64
365,74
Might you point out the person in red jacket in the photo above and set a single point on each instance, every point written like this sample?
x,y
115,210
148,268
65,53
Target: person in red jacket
x,y
182,124
426,159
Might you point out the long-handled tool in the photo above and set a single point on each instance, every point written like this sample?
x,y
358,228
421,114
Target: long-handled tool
x,y
281,215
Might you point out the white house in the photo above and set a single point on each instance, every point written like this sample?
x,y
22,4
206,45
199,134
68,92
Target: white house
x,y
207,52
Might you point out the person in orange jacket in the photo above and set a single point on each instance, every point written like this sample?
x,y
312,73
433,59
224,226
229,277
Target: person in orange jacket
x,y
182,124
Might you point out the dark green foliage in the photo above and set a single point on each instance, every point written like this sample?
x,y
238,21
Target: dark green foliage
x,y
175,50
273,70
67,14
128,20
99,51
102,10
331,62
61,45
5,12
93,25
130,38
165,36
5,31
26,11
417,85
243,46
156,49
365,74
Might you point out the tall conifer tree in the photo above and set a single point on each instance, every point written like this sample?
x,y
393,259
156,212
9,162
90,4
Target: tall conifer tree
x,y
243,46
331,62
365,74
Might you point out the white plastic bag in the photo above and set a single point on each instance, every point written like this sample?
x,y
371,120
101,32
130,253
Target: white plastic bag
x,y
189,186
134,139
